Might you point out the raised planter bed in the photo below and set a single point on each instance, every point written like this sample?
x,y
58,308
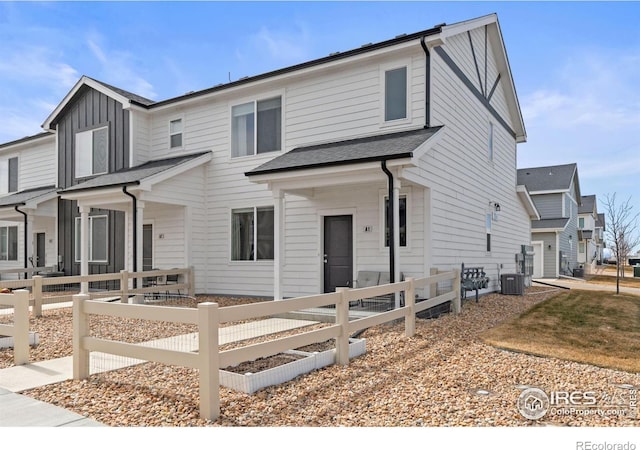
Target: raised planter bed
x,y
254,375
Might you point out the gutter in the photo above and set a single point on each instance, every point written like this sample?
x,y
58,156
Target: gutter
x,y
392,240
134,204
427,83
26,254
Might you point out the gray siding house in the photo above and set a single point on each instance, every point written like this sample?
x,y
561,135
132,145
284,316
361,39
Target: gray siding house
x,y
555,191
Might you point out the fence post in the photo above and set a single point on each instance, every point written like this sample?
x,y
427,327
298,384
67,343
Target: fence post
x,y
208,321
433,287
124,286
342,319
80,330
192,282
456,288
410,303
21,327
37,295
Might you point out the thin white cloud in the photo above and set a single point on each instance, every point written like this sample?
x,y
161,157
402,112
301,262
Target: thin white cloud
x,y
119,68
37,65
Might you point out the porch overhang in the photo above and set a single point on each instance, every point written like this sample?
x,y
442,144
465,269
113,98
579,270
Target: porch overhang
x,y
26,200
549,225
345,162
106,191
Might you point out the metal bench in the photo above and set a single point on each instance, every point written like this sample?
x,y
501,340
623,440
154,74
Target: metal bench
x,y
472,279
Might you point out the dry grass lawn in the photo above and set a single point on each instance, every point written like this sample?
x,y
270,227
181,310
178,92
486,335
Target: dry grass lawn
x,y
592,327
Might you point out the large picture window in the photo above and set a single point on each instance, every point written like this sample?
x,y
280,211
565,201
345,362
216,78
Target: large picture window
x,y
256,127
403,221
395,94
98,232
252,234
92,149
9,243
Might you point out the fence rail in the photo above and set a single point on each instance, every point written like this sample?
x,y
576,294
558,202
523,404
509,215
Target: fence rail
x,y
19,331
208,359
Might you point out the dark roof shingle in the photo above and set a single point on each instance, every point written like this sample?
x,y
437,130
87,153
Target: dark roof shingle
x,y
549,178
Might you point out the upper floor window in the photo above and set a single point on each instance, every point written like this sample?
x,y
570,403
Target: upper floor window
x,y
175,133
489,220
9,243
8,175
395,94
490,142
92,149
252,234
256,127
580,222
98,232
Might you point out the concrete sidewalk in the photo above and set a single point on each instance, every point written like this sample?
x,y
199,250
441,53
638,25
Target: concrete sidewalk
x,y
20,410
576,283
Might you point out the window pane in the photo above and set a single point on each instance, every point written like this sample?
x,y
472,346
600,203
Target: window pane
x,y
13,174
403,221
265,233
176,140
100,147
395,94
83,154
3,244
242,130
175,131
269,125
4,176
242,235
13,243
77,241
98,239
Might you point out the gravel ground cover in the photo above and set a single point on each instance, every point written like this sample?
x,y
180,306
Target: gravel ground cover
x,y
442,376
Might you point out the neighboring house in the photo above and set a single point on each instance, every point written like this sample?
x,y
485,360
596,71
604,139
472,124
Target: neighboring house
x,y
555,191
599,230
279,184
28,200
590,233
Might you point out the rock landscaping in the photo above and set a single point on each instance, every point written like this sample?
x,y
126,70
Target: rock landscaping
x,y
442,376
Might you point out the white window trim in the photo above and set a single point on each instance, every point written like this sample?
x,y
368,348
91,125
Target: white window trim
x,y
77,230
17,242
488,225
255,100
382,197
75,137
491,142
4,166
173,119
255,259
384,68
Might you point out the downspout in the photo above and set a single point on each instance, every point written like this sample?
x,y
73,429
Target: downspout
x,y
26,254
392,240
134,204
427,84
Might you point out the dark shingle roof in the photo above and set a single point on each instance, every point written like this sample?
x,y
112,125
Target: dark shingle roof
x,y
133,175
20,198
27,139
373,148
549,224
588,204
131,96
549,178
600,222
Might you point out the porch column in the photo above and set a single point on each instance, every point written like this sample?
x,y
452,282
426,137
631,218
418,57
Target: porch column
x,y
396,234
84,246
278,243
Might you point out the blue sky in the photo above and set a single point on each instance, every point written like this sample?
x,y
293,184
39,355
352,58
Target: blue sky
x,y
576,65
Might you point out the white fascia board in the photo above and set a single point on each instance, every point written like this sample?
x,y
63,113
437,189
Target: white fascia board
x,y
34,202
419,152
28,143
126,103
147,183
97,194
527,201
467,25
551,191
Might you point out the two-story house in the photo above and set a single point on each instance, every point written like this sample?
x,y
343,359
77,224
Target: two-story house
x,y
590,233
555,191
396,156
28,202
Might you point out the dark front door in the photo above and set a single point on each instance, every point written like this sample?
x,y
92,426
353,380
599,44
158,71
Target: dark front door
x,y
40,253
147,247
338,252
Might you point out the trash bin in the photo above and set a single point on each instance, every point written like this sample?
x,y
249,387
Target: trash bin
x,y
636,271
578,273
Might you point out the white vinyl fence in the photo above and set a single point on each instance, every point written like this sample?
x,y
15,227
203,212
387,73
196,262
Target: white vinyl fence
x,y
208,359
19,330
